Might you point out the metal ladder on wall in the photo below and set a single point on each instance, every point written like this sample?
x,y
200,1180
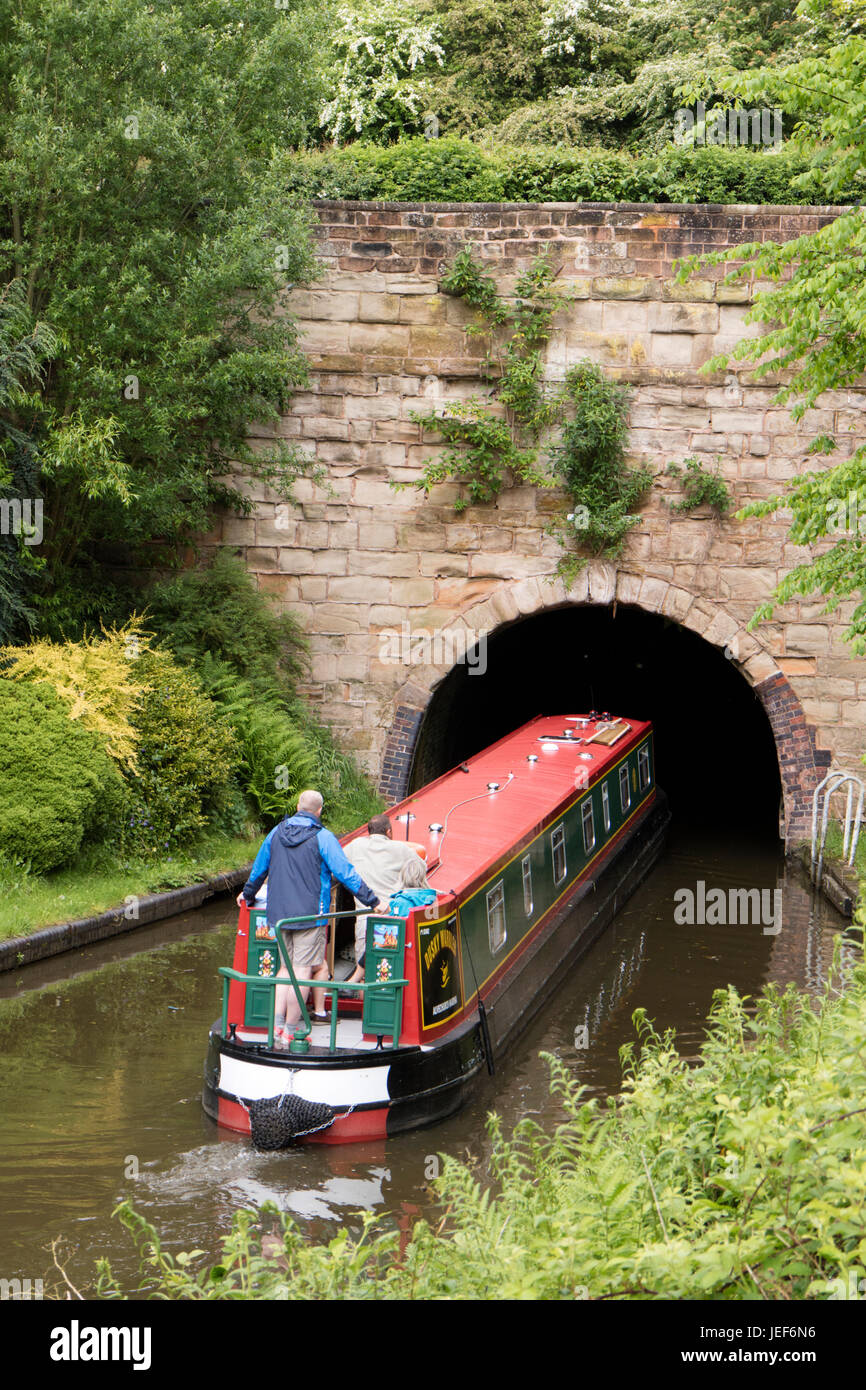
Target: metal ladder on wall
x,y
832,783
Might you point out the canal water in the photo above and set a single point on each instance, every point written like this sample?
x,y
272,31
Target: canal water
x,y
102,1053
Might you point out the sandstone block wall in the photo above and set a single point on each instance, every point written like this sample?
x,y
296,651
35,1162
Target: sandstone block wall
x,y
357,558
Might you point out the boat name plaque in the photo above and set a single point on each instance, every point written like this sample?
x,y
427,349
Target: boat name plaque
x,y
441,985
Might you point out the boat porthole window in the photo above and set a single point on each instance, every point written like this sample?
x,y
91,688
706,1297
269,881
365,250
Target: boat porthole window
x,y
527,885
643,767
496,918
588,824
605,805
557,844
624,789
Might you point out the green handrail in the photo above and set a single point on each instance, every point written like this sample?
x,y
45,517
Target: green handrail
x,y
333,988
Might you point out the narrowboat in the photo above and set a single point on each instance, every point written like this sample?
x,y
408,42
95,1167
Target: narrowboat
x,y
532,846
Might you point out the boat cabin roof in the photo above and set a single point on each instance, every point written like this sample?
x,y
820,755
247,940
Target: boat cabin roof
x,y
537,769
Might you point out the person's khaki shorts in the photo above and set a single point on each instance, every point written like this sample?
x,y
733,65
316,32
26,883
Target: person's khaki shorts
x,y
306,950
360,935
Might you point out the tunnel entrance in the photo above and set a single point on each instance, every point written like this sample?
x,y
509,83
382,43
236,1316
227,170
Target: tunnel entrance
x,y
715,753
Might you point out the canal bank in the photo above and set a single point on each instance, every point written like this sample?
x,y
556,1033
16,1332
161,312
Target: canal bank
x,y
839,882
136,912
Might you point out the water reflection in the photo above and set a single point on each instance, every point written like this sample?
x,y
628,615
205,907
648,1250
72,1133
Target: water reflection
x,y
103,1054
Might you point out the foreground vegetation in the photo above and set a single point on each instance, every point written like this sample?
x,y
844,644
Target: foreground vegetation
x,y
740,1176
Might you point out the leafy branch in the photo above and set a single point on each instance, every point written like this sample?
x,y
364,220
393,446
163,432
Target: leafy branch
x,y
590,460
483,449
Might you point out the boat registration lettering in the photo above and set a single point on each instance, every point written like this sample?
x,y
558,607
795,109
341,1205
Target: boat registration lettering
x,y
449,1004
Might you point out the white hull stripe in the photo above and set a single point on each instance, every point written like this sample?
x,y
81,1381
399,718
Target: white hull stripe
x,y
338,1087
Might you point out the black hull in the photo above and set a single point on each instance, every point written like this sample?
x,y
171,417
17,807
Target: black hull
x,y
513,1003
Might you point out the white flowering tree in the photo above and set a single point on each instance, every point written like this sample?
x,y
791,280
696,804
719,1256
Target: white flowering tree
x,y
575,28
383,55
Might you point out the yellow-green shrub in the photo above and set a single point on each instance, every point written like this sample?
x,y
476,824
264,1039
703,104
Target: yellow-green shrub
x,y
98,679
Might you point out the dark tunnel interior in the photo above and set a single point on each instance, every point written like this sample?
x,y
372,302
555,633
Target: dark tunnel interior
x,y
715,754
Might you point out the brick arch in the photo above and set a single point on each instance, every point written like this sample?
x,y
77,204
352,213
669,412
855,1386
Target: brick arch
x,y
801,762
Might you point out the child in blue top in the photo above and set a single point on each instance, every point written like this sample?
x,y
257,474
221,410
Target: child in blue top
x,y
414,889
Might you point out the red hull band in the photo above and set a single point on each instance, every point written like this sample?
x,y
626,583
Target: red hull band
x,y
353,1128
233,1116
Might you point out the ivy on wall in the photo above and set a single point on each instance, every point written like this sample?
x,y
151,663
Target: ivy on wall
x,y
490,443
701,488
590,462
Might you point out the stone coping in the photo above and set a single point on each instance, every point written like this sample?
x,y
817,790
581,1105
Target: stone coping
x,y
378,204
69,936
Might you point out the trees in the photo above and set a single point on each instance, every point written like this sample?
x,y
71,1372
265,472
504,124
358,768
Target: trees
x,y
142,207
25,346
816,313
553,71
382,58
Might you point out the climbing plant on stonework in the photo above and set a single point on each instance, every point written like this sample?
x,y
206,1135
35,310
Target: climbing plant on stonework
x,y
493,441
490,442
589,461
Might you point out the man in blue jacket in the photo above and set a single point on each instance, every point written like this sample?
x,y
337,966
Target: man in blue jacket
x,y
300,859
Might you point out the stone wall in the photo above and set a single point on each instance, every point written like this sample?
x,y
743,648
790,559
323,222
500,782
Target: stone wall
x,y
357,558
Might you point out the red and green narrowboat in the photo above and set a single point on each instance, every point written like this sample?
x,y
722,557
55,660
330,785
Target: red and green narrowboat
x,y
532,846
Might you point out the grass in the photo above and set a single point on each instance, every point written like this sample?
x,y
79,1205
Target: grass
x,y
92,885
833,847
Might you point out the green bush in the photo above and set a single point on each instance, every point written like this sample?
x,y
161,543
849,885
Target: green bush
x,y
414,170
590,461
277,762
282,751
452,170
218,611
350,798
58,787
186,758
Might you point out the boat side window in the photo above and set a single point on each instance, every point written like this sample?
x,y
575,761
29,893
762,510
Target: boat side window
x,y
605,805
496,918
557,844
624,789
588,824
643,767
526,865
